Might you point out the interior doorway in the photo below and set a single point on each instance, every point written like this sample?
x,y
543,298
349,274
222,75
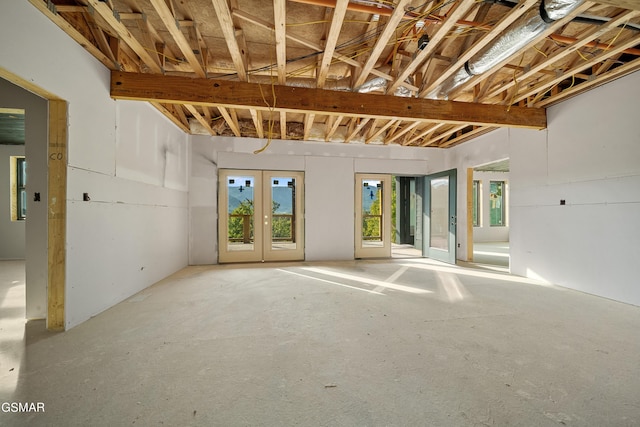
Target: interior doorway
x,y
407,221
261,216
488,221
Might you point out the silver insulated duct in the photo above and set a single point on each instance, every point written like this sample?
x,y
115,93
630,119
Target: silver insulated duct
x,y
513,39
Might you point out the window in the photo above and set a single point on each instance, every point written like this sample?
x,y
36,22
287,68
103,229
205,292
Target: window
x,y
18,172
476,191
497,203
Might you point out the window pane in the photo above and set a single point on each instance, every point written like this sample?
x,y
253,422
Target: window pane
x,y
439,221
372,213
240,233
476,203
496,203
283,204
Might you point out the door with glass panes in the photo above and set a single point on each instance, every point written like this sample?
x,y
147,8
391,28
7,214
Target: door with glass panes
x,y
373,216
260,216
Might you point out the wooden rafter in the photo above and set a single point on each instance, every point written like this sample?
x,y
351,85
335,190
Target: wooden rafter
x,y
579,67
226,25
507,20
315,46
458,11
357,130
381,43
231,120
379,132
402,132
550,30
194,112
332,40
108,15
559,54
74,34
333,128
280,19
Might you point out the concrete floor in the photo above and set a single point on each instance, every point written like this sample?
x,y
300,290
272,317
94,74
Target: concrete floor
x,y
406,342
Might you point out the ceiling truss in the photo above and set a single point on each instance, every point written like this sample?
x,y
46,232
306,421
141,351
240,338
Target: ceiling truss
x,y
349,72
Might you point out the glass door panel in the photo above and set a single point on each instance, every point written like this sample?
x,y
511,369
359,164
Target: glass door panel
x,y
240,204
373,216
439,224
439,216
283,217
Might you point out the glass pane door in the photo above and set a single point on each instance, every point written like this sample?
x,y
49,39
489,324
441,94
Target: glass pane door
x,y
239,206
439,216
373,216
283,219
260,216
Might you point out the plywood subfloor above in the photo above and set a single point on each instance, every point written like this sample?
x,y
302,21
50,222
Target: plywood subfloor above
x,y
404,49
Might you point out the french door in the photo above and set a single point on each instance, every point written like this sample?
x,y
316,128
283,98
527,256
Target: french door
x,y
261,216
373,216
439,216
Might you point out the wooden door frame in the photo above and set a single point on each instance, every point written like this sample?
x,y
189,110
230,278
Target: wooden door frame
x,y
57,198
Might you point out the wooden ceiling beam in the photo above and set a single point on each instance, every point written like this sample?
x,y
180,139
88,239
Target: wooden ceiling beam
x,y
184,90
458,11
226,25
381,43
283,125
332,40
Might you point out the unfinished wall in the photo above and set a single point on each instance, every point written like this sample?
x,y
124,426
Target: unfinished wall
x,y
589,157
12,238
129,159
329,186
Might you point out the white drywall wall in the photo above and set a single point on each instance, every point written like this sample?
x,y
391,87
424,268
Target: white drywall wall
x,y
589,157
12,237
129,159
329,185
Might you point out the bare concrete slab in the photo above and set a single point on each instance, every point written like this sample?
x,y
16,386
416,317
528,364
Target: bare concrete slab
x,y
404,342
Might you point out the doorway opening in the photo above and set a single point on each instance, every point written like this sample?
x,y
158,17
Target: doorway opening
x,y
261,216
407,222
488,227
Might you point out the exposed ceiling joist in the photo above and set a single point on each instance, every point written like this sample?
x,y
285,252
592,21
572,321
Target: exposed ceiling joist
x,y
181,90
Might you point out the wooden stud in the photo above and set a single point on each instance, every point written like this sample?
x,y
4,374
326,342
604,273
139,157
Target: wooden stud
x,y
57,218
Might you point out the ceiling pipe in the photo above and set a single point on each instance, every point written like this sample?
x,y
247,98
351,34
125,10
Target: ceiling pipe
x,y
513,39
